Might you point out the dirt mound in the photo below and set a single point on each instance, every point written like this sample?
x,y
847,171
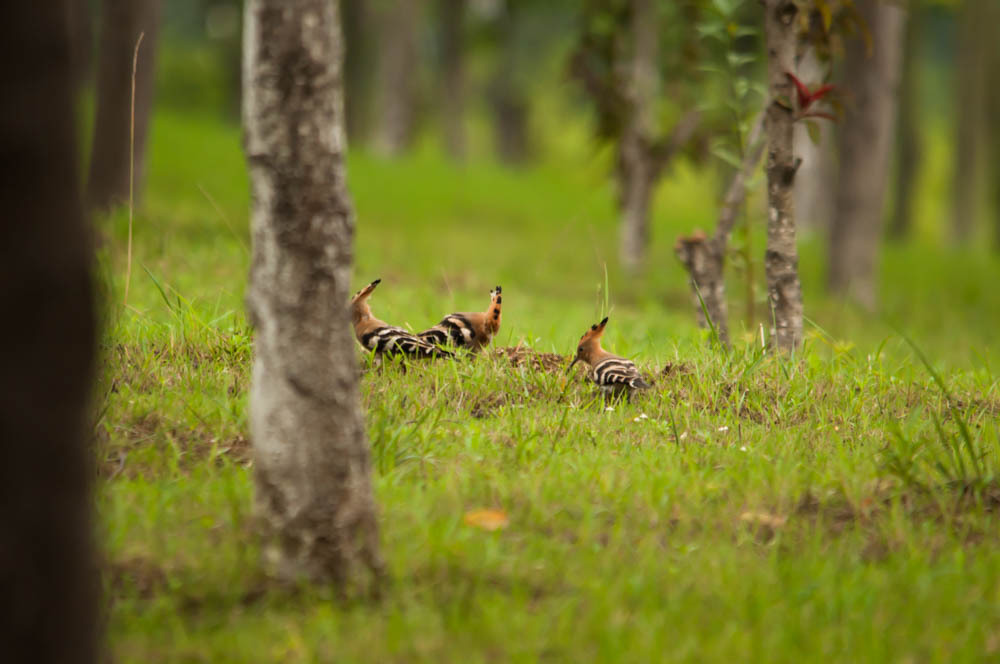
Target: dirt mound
x,y
522,356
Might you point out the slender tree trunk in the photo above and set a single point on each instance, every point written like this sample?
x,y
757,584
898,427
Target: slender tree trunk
x,y
970,61
993,100
508,102
637,172
397,76
865,149
359,67
781,260
815,181
121,23
313,472
452,21
81,33
48,578
908,143
704,257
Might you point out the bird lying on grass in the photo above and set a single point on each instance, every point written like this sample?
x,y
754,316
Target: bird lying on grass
x,y
467,330
384,339
615,375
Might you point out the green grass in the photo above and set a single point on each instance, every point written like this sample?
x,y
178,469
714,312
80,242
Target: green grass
x,y
759,511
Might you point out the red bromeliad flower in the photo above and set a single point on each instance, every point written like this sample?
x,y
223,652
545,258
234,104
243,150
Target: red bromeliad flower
x,y
808,97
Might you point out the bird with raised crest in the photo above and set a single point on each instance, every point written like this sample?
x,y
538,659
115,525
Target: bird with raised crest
x,y
383,339
468,330
615,375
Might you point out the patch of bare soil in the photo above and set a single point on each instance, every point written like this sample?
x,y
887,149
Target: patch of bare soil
x,y
522,356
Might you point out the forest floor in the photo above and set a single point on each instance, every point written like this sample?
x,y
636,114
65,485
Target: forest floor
x,y
835,505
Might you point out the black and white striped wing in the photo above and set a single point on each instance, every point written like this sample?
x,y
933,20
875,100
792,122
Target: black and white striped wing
x,y
397,341
616,373
453,330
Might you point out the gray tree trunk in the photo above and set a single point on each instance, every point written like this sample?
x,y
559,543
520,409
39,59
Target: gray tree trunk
x,y
781,260
359,67
865,150
48,576
314,496
121,23
508,101
397,85
637,172
815,181
970,68
452,22
908,142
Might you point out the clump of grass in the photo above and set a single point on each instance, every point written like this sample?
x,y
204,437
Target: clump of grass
x,y
957,460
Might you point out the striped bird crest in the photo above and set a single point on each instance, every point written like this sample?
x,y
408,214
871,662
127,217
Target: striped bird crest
x,y
590,343
493,312
359,303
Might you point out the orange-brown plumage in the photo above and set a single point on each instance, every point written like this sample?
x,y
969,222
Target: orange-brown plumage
x,y
471,330
613,374
384,339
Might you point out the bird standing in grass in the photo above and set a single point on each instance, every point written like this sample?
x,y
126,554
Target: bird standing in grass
x,y
615,375
382,338
467,330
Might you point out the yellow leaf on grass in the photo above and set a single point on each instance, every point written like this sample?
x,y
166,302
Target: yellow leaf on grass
x,y
764,519
487,519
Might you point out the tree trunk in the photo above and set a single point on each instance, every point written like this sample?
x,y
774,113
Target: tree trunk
x,y
637,173
121,23
970,124
865,149
314,495
993,100
359,67
781,260
49,580
452,21
81,33
815,181
397,76
908,143
704,257
508,102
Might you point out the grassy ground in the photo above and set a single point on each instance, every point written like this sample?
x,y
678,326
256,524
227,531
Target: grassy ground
x,y
748,508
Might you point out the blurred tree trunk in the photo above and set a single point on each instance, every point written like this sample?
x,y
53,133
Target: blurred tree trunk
x,y
816,178
993,69
452,21
865,148
508,101
359,67
781,260
313,471
970,126
121,23
637,172
48,578
908,143
398,24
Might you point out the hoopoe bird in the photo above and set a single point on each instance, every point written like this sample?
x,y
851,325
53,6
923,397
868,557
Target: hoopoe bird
x,y
615,375
382,338
468,330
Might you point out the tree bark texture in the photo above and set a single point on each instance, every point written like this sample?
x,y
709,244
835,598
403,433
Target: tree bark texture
x,y
909,148
398,88
48,578
815,180
781,259
313,471
973,43
122,21
452,22
704,257
865,150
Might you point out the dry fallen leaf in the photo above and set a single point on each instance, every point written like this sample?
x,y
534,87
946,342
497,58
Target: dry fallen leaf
x,y
764,519
487,519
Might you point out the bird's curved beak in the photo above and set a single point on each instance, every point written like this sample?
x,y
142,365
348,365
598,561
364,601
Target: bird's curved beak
x,y
575,360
